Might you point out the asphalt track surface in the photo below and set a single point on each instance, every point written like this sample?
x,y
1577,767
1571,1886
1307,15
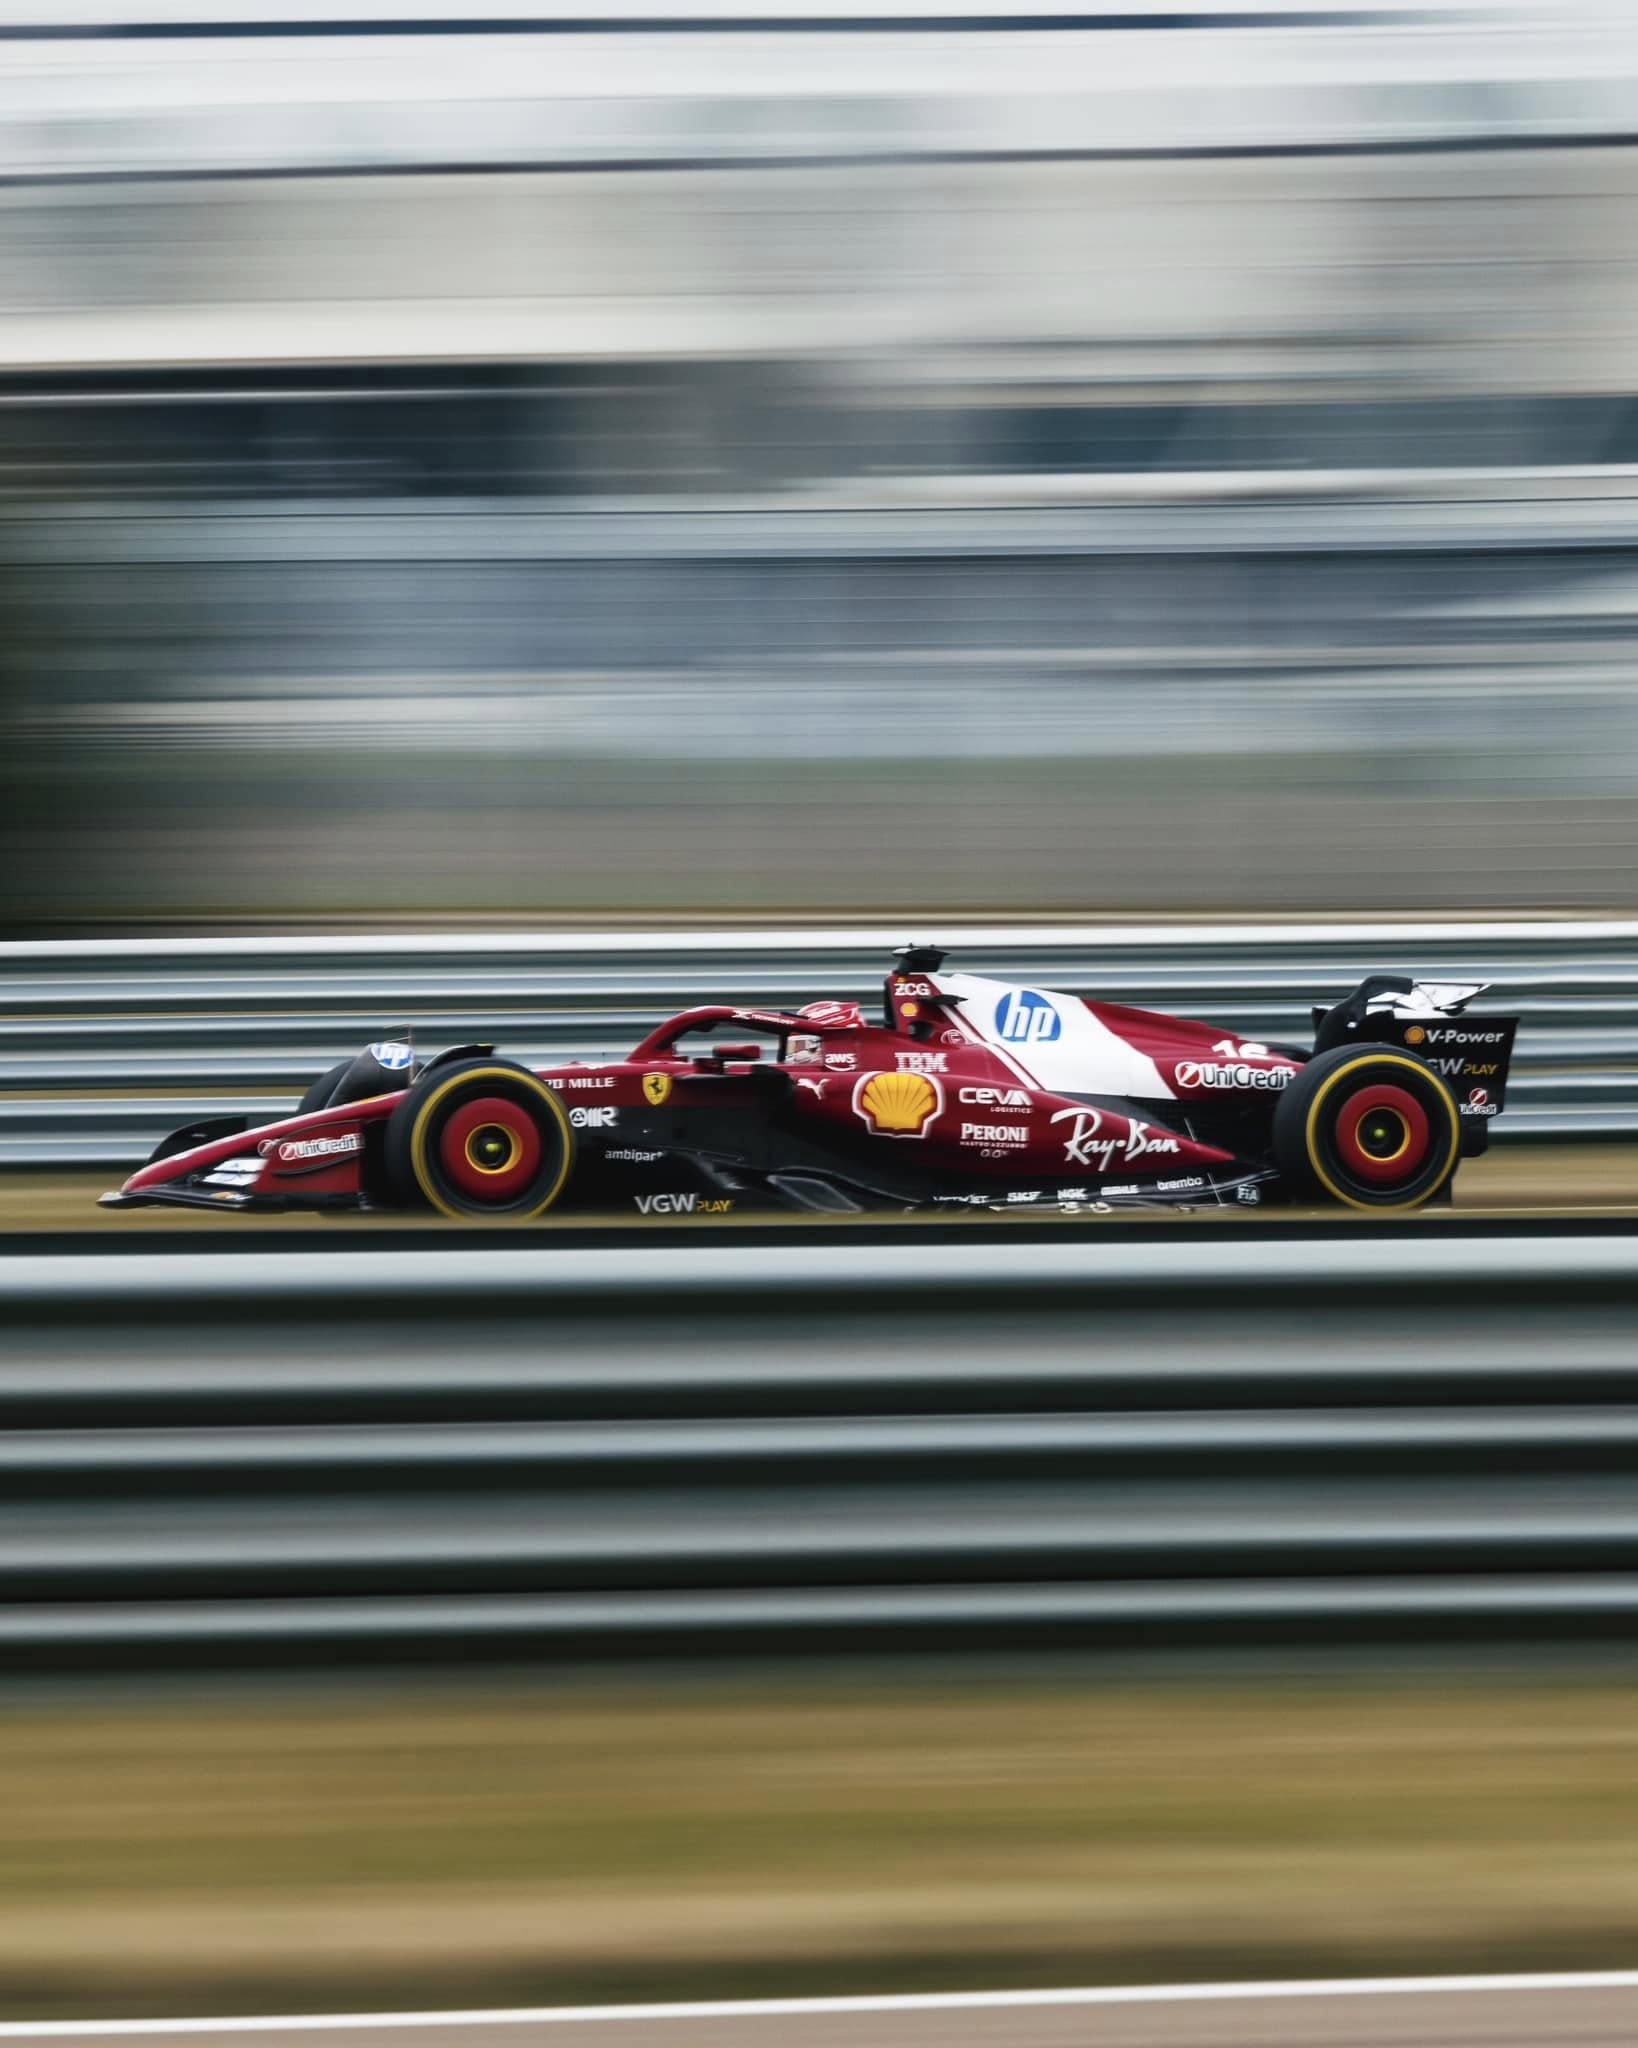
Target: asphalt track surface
x,y
1596,2010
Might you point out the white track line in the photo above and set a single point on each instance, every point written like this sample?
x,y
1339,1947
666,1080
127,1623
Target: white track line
x,y
796,2008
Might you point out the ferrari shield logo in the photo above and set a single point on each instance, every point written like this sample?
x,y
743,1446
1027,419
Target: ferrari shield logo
x,y
656,1087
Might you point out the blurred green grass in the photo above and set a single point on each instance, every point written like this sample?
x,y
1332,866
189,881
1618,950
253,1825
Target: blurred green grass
x,y
544,1838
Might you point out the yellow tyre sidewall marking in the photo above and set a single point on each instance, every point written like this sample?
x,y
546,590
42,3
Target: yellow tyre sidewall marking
x,y
418,1137
1380,1059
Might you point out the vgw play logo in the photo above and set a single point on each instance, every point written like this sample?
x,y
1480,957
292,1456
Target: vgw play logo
x,y
1024,1018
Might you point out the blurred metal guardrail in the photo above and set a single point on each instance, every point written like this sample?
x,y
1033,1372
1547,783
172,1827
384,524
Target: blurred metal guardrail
x,y
702,1447
1550,510
104,1046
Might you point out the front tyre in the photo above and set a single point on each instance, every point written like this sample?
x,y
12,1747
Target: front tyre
x,y
1370,1128
480,1138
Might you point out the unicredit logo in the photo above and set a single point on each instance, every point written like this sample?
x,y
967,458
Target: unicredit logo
x,y
1209,1074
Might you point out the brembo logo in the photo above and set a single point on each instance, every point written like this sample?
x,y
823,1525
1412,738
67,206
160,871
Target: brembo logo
x,y
1209,1074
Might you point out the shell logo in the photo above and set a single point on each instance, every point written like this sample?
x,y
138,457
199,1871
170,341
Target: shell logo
x,y
898,1105
1415,1035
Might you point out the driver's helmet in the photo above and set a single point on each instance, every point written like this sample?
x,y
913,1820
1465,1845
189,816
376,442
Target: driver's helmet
x,y
839,1016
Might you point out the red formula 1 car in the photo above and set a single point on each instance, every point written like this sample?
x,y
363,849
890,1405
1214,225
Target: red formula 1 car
x,y
970,1092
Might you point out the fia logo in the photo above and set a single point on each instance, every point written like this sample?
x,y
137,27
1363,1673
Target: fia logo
x,y
1024,1018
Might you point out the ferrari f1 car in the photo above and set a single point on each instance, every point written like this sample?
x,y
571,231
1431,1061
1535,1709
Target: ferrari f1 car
x,y
968,1093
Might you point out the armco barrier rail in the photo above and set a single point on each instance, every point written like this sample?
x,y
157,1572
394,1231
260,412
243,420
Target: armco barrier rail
x,y
104,1046
224,1455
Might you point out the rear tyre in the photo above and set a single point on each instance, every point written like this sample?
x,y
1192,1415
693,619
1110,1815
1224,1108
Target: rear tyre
x,y
1370,1128
479,1138
318,1095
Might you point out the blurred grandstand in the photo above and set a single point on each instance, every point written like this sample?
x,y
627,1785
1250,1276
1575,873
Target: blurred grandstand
x,y
647,459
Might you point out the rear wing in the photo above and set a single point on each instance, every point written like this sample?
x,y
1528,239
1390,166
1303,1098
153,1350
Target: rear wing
x,y
1471,1055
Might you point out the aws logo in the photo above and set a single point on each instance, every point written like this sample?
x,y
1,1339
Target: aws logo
x,y
1024,1018
898,1105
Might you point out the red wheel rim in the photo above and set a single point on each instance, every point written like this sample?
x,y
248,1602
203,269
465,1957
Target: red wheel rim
x,y
489,1149
1382,1134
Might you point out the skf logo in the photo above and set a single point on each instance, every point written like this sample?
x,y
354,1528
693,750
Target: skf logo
x,y
1415,1035
656,1087
898,1105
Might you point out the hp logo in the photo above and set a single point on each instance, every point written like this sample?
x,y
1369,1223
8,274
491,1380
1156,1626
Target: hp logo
x,y
1024,1018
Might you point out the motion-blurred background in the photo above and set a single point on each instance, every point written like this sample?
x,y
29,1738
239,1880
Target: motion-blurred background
x,y
703,457
733,460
